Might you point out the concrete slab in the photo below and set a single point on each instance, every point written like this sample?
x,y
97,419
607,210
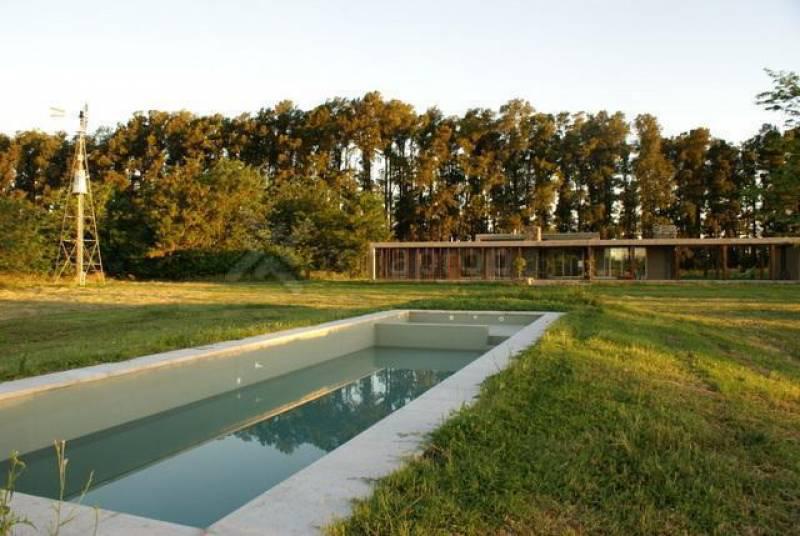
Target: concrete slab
x,y
79,520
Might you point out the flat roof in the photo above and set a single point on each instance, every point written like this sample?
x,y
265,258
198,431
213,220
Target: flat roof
x,y
595,242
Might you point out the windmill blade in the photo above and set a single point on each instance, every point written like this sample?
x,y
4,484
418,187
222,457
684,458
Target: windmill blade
x,y
57,112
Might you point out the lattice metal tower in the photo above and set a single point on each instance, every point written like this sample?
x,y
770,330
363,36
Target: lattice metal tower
x,y
79,246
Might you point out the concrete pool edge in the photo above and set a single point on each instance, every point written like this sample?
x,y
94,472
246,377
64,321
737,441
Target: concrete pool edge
x,y
66,378
83,520
324,491
315,495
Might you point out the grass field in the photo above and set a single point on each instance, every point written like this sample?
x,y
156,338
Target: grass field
x,y
648,409
46,327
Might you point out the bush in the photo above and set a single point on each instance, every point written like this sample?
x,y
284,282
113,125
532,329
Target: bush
x,y
271,263
27,243
328,230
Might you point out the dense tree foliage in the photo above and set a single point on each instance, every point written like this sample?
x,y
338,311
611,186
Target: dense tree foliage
x,y
784,96
653,172
322,183
26,241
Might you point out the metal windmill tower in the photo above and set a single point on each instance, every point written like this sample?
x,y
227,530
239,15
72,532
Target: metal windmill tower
x,y
79,245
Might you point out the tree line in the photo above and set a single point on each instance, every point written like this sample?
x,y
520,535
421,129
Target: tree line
x,y
315,186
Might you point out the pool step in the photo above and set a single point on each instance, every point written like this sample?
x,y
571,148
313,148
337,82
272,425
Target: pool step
x,y
433,335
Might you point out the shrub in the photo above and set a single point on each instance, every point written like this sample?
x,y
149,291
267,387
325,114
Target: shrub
x,y
27,243
266,264
327,229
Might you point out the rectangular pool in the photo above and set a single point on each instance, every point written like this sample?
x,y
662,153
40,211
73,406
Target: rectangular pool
x,y
191,442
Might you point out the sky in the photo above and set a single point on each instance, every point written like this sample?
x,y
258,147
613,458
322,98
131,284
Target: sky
x,y
691,63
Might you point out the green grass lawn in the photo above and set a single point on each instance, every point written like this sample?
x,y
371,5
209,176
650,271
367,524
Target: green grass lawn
x,y
45,327
647,409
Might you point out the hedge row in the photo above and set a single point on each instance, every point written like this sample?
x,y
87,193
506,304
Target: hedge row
x,y
274,263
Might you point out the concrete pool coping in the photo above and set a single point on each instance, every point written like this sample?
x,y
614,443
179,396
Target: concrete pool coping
x,y
56,380
322,491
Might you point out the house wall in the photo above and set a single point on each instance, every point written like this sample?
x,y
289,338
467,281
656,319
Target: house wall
x,y
659,263
491,263
793,263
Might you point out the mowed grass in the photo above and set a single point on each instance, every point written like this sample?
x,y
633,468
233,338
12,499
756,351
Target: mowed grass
x,y
653,410
648,409
46,327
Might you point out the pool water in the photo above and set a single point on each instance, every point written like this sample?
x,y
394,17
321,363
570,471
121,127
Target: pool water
x,y
196,463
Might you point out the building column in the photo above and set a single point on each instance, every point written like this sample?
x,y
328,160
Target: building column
x,y
676,263
782,267
724,261
588,265
371,262
631,268
772,262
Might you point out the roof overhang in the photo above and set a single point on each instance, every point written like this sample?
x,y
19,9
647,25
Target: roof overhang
x,y
633,242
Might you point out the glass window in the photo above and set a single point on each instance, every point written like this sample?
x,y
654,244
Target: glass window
x,y
502,264
618,263
433,263
564,263
639,263
531,257
398,262
427,263
470,263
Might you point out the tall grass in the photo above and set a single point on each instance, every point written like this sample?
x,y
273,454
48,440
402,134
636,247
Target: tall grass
x,y
9,519
63,513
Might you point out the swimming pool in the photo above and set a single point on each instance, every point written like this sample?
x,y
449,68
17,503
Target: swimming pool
x,y
189,438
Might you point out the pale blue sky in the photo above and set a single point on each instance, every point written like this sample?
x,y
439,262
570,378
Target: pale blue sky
x,y
689,62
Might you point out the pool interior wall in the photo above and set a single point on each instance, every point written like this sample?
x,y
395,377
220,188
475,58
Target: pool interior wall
x,y
191,443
